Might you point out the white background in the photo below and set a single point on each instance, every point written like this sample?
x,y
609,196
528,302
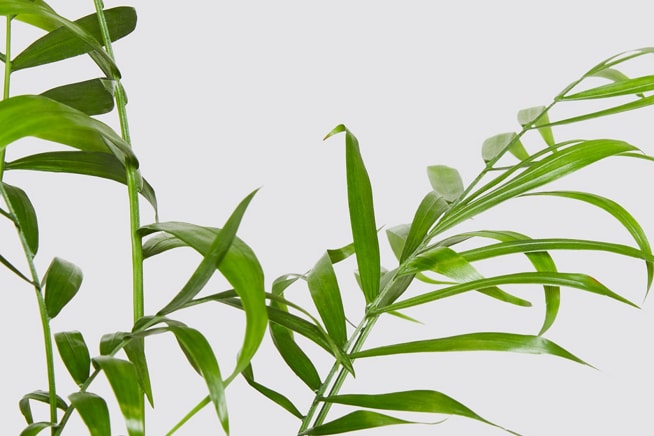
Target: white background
x,y
226,97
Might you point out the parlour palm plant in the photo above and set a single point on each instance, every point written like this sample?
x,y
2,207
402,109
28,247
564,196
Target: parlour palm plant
x,y
437,255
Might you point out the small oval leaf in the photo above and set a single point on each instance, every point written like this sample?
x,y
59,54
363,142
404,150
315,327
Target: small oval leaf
x,y
75,355
62,281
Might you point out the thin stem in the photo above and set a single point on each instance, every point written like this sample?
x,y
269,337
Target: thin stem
x,y
43,313
133,178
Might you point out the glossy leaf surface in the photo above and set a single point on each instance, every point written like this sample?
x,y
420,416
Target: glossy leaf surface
x,y
75,354
93,97
94,412
327,298
25,216
62,281
41,397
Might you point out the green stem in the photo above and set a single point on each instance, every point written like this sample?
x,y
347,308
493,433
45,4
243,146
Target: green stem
x,y
133,178
43,313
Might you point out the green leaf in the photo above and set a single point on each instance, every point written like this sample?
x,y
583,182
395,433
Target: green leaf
x,y
338,254
445,181
110,341
623,87
41,397
35,428
15,270
41,117
62,281
239,265
539,119
496,146
272,395
25,216
445,261
196,346
295,358
430,209
43,16
93,97
75,354
362,215
90,163
93,411
123,378
397,237
359,420
135,350
411,401
484,341
326,296
572,280
65,42
637,104
619,213
538,173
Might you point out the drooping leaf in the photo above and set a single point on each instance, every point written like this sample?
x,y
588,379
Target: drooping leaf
x,y
410,401
429,210
445,181
110,341
124,381
572,280
339,254
41,117
13,269
496,145
637,104
359,420
90,163
272,395
362,215
75,354
135,350
35,428
40,14
619,213
62,281
485,341
93,97
63,42
539,119
25,216
445,261
326,296
295,358
239,266
93,411
41,397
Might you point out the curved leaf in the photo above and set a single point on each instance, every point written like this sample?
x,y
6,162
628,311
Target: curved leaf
x,y
35,428
485,341
496,145
61,282
93,97
429,210
445,181
75,355
276,397
135,350
41,117
362,215
41,397
572,280
622,87
94,412
359,420
410,401
25,215
637,104
326,296
538,118
123,379
42,15
90,163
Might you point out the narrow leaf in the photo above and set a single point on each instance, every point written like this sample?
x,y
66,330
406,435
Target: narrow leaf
x,y
75,354
62,281
622,87
135,350
63,43
123,379
90,163
326,296
397,238
430,209
110,341
362,215
637,104
25,216
446,181
40,396
538,118
274,396
295,358
359,420
35,428
93,411
93,97
496,145
485,341
410,401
